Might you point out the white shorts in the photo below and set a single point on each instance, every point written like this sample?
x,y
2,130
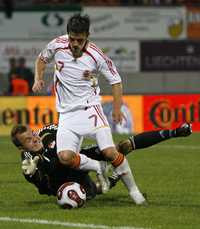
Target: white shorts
x,y
75,125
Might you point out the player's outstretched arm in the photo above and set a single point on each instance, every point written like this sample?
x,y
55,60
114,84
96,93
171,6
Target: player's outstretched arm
x,y
40,67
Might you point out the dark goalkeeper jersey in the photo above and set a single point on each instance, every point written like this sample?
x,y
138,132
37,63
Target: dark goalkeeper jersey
x,y
51,174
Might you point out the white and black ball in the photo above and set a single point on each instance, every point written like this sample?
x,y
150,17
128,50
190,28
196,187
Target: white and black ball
x,y
71,195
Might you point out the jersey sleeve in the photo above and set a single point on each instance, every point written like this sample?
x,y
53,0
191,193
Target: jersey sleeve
x,y
26,155
105,65
41,178
47,54
48,135
49,163
41,181
108,69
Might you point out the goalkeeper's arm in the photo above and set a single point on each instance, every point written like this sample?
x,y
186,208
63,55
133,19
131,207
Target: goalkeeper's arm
x,y
42,183
36,176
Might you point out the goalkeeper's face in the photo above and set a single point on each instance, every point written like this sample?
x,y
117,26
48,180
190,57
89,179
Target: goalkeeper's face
x,y
30,141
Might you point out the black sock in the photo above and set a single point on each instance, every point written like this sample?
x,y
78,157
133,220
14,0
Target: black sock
x,y
150,138
166,134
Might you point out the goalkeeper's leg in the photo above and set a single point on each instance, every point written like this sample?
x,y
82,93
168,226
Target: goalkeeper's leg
x,y
150,138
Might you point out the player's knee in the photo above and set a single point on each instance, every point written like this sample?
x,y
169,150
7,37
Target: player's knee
x,y
66,157
124,146
110,153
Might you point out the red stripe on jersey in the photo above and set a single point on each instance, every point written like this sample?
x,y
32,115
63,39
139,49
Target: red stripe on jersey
x,y
61,40
62,49
55,87
108,61
90,54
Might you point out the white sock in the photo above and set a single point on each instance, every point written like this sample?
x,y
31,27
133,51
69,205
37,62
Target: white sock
x,y
126,176
89,164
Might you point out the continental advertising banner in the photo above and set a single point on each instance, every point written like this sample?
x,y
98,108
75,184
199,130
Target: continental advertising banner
x,y
193,22
39,110
125,54
12,110
106,22
170,56
33,111
169,111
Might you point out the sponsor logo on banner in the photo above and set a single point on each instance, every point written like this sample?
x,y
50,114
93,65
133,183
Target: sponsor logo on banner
x,y
138,22
170,56
33,111
12,111
52,20
106,22
42,111
193,22
132,110
34,25
37,111
125,54
169,111
27,49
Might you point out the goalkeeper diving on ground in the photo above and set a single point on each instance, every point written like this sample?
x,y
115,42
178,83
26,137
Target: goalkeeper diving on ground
x,y
41,167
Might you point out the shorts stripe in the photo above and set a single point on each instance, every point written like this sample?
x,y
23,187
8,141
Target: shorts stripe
x,y
100,115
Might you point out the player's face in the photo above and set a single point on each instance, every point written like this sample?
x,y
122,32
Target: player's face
x,y
77,42
30,141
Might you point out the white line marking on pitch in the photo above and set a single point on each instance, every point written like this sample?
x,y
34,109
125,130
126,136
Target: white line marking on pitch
x,y
66,224
178,147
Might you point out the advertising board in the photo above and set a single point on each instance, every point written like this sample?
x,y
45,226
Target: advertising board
x,y
169,111
106,22
170,56
37,111
193,22
125,54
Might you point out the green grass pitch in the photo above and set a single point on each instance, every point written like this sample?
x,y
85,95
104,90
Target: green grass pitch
x,y
168,173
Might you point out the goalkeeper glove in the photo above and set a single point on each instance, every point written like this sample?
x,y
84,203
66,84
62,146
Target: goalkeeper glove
x,y
29,166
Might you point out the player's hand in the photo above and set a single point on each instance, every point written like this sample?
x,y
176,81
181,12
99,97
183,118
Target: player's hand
x,y
118,116
38,85
29,166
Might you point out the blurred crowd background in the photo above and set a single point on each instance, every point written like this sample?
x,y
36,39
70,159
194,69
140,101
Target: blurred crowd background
x,y
25,3
19,76
155,45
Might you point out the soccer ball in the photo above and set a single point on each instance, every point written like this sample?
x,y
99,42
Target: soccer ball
x,y
71,195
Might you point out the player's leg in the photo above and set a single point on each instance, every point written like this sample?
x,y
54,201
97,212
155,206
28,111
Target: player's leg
x,y
69,156
150,138
67,152
119,162
139,141
93,152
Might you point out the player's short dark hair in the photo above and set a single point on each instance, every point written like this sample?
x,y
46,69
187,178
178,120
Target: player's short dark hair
x,y
18,129
78,24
